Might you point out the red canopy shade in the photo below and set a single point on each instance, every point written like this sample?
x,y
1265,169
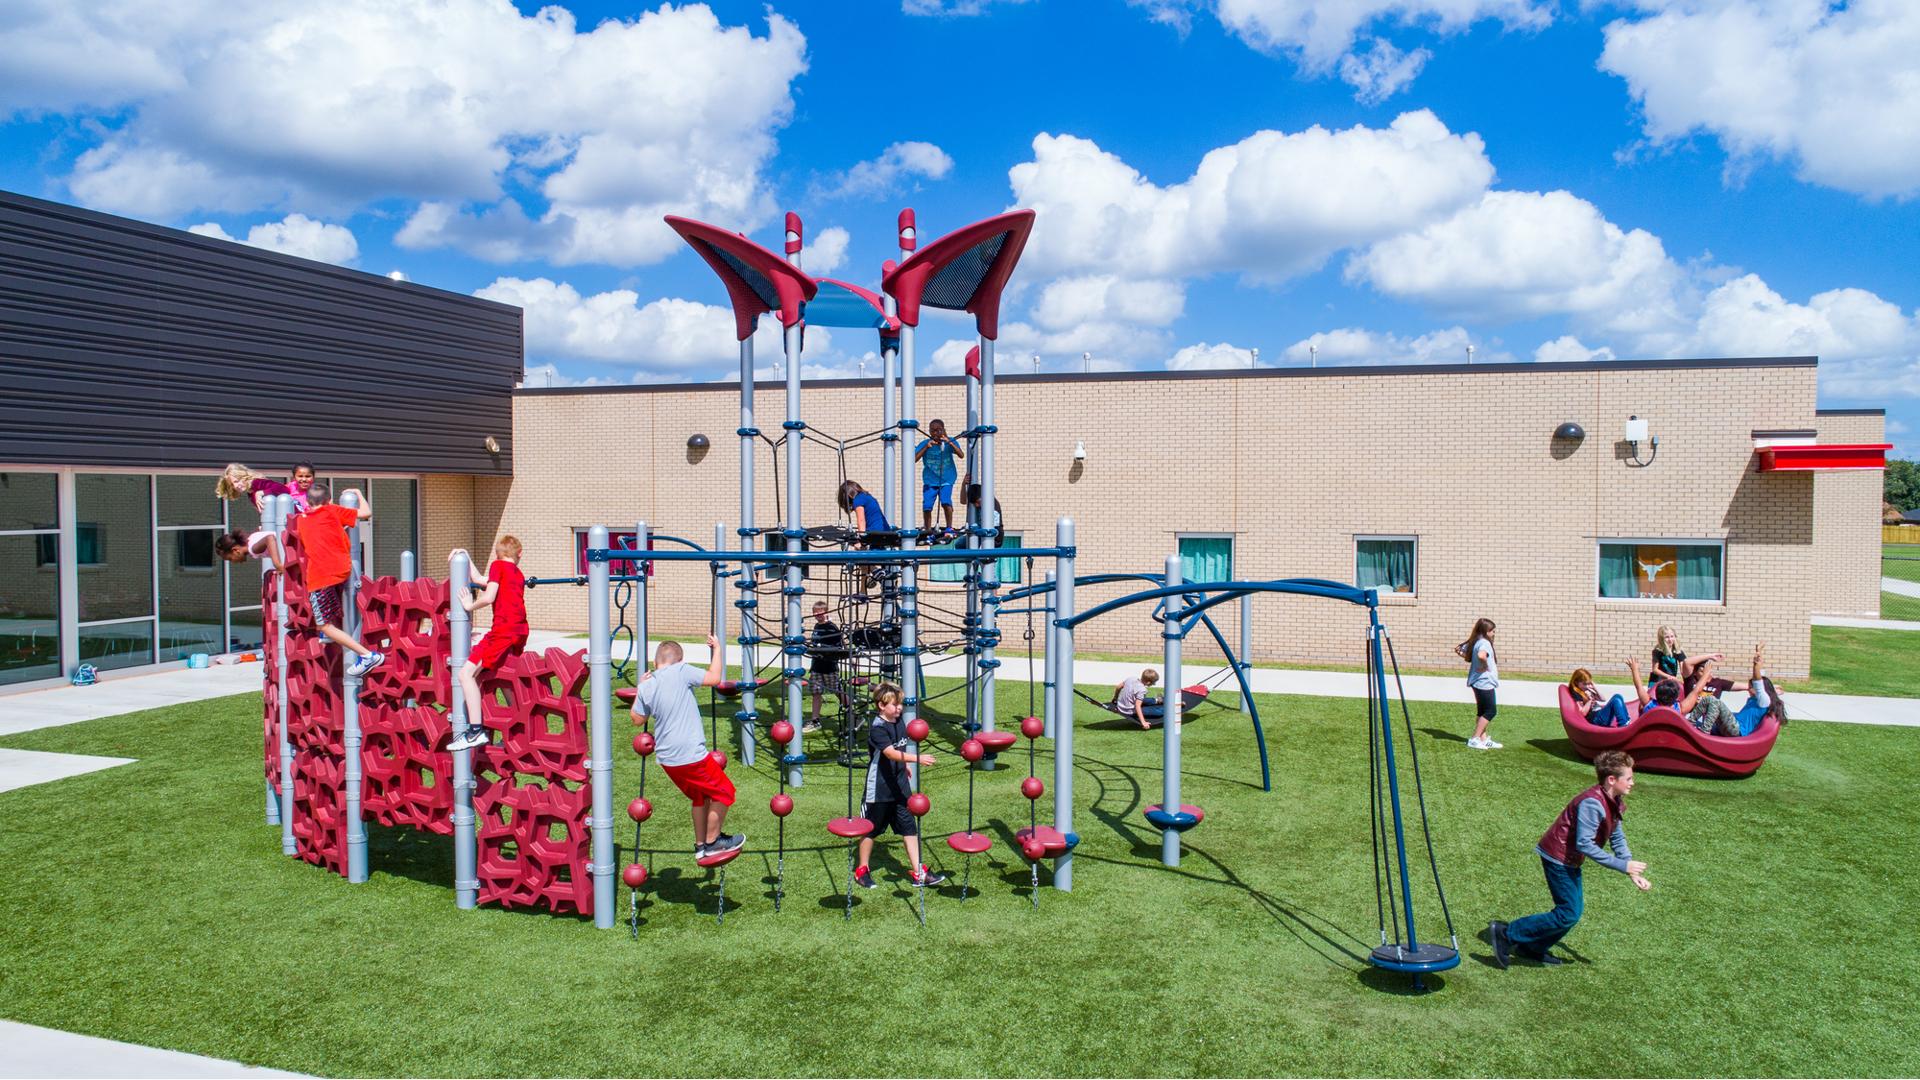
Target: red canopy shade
x,y
757,280
1823,456
965,270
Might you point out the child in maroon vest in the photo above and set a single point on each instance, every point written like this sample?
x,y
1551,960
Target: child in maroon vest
x,y
1594,818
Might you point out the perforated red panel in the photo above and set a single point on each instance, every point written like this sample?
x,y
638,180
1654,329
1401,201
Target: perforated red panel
x,y
408,773
534,701
319,810
407,620
534,840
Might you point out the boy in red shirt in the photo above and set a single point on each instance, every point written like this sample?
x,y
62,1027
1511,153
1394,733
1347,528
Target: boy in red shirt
x,y
323,536
503,588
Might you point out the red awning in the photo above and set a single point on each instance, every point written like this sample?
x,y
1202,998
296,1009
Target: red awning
x,y
1823,456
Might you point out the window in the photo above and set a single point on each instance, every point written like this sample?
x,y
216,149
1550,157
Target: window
x,y
1206,558
614,539
1662,570
1387,563
193,549
86,546
1010,568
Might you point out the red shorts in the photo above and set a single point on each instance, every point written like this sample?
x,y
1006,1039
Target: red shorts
x,y
497,646
702,780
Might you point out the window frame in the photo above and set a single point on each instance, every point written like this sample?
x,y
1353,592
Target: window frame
x,y
1410,538
1663,541
1233,550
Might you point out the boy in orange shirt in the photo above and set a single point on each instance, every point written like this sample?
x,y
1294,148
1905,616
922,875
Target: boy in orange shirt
x,y
323,536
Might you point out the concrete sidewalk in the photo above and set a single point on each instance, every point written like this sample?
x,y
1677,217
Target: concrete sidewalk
x,y
38,1051
1866,624
71,704
1898,587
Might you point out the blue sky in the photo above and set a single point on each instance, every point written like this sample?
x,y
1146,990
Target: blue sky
x,y
1377,181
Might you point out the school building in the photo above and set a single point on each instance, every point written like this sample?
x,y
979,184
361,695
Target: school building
x,y
138,360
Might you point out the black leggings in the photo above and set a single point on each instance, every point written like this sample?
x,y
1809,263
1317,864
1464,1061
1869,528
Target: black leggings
x,y
1484,704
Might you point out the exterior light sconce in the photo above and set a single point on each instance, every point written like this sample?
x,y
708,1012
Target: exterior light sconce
x,y
1637,434
492,444
697,442
1080,450
1570,431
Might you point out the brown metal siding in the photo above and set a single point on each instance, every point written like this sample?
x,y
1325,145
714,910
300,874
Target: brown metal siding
x,y
129,344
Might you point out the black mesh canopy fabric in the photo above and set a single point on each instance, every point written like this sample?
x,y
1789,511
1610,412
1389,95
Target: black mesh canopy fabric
x,y
755,280
953,286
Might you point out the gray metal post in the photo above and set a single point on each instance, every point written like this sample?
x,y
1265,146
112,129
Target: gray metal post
x,y
975,615
890,436
267,674
408,571
600,719
1062,643
990,570
749,538
466,841
642,646
719,626
1170,726
280,507
1246,649
1048,662
793,646
351,739
909,539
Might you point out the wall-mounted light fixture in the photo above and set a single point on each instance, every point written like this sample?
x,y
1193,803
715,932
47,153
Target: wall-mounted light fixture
x,y
1637,434
1079,450
492,444
1570,431
697,442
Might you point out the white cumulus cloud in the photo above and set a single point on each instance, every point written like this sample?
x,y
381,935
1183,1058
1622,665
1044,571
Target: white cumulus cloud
x,y
667,335
1355,345
826,251
1568,349
1274,205
1833,88
296,234
885,174
1523,253
1204,357
1320,36
468,106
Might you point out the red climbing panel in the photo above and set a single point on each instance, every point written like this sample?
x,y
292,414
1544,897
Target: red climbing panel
x,y
535,846
534,701
407,771
407,620
319,810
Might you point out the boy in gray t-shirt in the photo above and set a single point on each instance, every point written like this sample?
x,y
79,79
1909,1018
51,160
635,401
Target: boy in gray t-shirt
x,y
666,695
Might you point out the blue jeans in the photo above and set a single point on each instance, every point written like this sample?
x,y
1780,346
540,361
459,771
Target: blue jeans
x,y
1612,714
1535,934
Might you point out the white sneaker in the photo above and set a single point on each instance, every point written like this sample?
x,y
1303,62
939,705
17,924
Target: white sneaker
x,y
1490,744
1479,744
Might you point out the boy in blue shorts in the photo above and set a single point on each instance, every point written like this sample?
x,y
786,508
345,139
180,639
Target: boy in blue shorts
x,y
936,454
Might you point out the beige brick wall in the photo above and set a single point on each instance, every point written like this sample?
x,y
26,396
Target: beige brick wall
x,y
1846,546
1292,467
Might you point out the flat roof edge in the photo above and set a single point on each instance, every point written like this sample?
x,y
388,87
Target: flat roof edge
x,y
1849,412
1336,371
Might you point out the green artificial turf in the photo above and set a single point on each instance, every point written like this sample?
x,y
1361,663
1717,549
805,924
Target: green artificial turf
x,y
149,903
1854,660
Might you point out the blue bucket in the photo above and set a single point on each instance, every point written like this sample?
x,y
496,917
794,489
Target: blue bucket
x,y
197,660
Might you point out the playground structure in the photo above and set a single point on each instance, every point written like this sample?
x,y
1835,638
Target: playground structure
x,y
1662,741
552,841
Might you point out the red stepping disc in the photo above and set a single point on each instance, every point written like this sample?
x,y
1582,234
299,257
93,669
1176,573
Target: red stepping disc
x,y
1049,837
996,741
721,859
627,694
969,843
849,828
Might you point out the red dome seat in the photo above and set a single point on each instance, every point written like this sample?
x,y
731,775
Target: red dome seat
x,y
1661,741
